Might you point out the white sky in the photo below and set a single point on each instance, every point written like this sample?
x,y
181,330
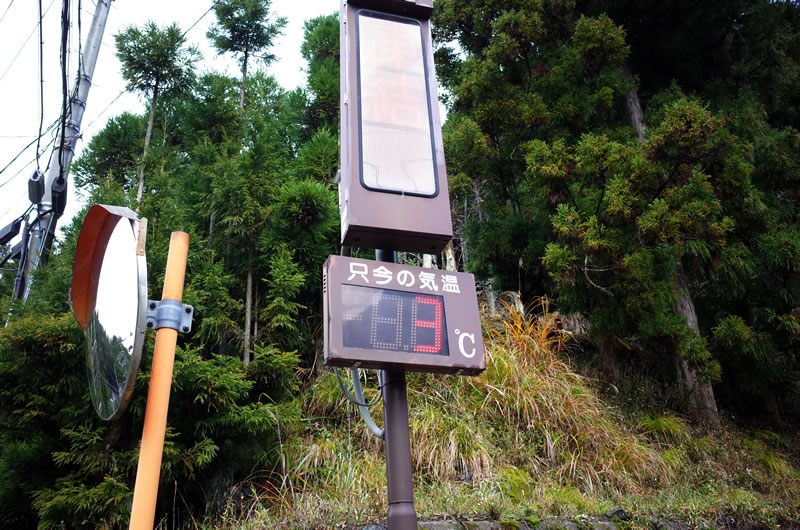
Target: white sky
x,y
19,81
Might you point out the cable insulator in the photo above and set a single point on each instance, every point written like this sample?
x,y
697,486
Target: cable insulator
x,y
59,191
36,187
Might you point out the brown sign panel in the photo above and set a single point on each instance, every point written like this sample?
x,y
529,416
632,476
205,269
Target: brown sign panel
x,y
411,8
393,188
384,315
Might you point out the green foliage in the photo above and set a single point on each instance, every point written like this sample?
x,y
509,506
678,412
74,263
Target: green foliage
x,y
112,153
62,465
545,169
321,50
243,28
155,59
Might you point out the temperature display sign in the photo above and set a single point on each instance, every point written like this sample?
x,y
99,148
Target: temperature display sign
x,y
384,315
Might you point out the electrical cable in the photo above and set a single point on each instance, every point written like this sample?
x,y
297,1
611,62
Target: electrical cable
x,y
350,397
24,44
15,203
41,85
105,109
80,46
30,208
6,11
196,22
364,411
23,151
64,90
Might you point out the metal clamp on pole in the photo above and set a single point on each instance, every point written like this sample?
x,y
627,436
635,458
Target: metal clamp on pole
x,y
169,314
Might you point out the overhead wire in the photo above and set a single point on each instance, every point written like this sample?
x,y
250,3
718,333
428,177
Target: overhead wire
x,y
64,92
196,22
24,44
80,46
6,11
105,109
25,149
27,211
41,85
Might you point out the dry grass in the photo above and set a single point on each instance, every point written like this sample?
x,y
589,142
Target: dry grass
x,y
528,436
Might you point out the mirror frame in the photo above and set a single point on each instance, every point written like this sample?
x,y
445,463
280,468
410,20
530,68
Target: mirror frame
x,y
99,224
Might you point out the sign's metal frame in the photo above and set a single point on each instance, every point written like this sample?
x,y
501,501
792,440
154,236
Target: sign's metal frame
x,y
380,218
463,326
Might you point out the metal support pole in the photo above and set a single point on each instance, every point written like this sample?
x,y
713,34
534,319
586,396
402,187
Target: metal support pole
x,y
42,236
402,515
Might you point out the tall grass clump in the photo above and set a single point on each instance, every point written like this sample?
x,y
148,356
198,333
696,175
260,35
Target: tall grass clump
x,y
568,431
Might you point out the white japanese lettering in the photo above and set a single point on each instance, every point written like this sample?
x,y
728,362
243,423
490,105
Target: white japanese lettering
x,y
383,275
427,280
358,269
405,278
450,284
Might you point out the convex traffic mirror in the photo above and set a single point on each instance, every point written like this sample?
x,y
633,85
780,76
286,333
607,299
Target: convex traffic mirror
x,y
108,296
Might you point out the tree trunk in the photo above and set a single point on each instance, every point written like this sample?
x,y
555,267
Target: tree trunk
x,y
229,240
449,257
701,395
491,297
248,307
148,134
608,356
633,105
770,402
244,80
255,315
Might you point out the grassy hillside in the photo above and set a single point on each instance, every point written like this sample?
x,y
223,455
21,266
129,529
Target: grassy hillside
x,y
528,438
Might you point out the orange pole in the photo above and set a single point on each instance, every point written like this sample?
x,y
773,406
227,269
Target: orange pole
x,y
145,491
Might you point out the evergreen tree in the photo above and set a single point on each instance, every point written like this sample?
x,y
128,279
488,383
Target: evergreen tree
x,y
243,28
154,61
321,50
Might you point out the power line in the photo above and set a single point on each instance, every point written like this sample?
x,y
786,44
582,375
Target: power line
x,y
22,151
6,11
196,22
23,168
80,48
24,44
30,207
64,90
41,83
105,109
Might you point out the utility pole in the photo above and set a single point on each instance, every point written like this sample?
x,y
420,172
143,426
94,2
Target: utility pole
x,y
55,187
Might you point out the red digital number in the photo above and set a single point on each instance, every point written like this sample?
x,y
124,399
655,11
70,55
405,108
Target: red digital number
x,y
436,324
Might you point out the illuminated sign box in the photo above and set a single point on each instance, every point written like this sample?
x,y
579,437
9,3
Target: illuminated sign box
x,y
384,315
393,188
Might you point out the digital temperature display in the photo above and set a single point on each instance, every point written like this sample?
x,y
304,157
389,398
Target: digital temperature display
x,y
387,315
389,320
